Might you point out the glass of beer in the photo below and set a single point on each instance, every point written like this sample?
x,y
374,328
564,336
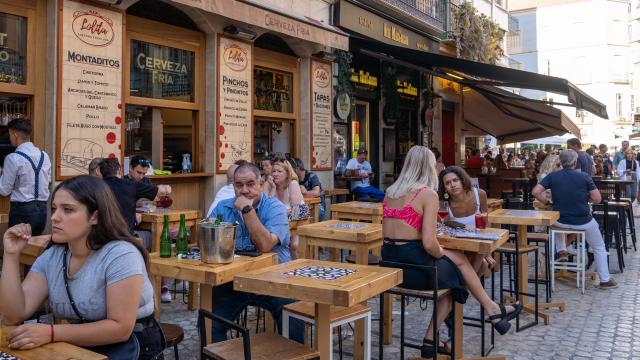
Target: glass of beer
x,y
481,220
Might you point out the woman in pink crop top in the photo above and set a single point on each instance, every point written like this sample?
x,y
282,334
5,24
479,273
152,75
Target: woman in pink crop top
x,y
409,230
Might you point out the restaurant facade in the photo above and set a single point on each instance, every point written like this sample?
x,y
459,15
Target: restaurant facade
x,y
208,81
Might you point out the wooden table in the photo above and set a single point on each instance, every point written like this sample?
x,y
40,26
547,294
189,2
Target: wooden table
x,y
524,218
365,283
153,221
35,247
483,247
197,272
53,351
314,206
357,211
335,234
4,218
494,204
619,182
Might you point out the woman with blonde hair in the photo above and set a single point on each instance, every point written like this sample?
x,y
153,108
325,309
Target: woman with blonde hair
x,y
409,230
287,190
550,164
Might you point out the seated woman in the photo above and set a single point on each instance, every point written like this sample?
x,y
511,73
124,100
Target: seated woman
x,y
409,229
266,167
94,276
287,190
464,202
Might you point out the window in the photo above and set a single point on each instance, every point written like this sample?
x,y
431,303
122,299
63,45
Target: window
x,y
274,90
632,103
13,49
618,106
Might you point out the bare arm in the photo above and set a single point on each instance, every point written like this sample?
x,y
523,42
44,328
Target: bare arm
x,y
295,195
429,202
483,200
538,193
261,237
594,196
315,192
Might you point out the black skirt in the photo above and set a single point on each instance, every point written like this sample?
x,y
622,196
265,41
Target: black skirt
x,y
449,276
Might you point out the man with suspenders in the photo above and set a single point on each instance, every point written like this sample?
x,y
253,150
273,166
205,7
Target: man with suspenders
x,y
25,177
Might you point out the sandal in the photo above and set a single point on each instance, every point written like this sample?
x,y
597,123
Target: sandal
x,y
503,325
428,351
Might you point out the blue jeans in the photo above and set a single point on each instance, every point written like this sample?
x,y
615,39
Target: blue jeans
x,y
370,191
230,303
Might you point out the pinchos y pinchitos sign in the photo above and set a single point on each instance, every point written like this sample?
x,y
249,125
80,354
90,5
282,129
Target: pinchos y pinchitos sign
x,y
234,132
321,115
90,86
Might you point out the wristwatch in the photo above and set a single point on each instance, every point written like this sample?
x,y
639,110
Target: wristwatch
x,y
246,209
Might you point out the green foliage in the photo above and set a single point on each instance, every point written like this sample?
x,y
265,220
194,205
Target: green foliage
x,y
478,38
343,59
390,88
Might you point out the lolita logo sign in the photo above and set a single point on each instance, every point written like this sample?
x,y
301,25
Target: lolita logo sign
x,y
92,28
321,77
235,57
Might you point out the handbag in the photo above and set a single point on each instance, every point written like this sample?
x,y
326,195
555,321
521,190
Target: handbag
x,y
127,350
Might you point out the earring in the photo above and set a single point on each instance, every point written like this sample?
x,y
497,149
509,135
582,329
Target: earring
x,y
446,195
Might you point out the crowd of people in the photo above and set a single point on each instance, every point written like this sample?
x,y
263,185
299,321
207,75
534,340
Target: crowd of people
x,y
98,246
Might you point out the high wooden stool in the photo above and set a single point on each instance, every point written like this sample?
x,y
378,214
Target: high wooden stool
x,y
173,335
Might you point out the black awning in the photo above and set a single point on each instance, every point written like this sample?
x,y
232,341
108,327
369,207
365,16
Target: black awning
x,y
474,74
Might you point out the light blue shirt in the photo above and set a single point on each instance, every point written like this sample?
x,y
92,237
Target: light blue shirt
x,y
273,216
18,178
364,166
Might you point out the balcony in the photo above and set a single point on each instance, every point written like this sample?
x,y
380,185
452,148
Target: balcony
x,y
418,13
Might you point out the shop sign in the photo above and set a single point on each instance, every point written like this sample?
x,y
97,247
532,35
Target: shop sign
x,y
321,115
161,72
13,49
234,136
378,28
90,87
406,88
343,106
363,78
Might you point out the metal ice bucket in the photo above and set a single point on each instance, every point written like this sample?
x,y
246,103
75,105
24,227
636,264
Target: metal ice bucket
x,y
217,243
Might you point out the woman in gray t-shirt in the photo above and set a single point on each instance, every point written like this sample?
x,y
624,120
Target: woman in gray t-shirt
x,y
105,268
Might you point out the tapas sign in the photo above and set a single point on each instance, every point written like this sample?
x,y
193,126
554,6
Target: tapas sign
x,y
89,116
234,130
321,115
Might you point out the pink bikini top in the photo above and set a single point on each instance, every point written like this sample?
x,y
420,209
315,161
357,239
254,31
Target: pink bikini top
x,y
406,214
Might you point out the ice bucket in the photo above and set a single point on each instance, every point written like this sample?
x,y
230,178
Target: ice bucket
x,y
217,242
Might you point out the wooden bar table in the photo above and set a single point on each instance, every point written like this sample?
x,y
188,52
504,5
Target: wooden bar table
x,y
357,211
52,351
479,246
349,285
494,204
335,234
314,206
4,218
153,222
524,218
618,182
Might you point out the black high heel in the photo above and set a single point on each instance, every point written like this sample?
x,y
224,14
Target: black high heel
x,y
503,325
428,349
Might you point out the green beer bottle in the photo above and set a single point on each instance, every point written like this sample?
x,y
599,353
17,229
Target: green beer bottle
x,y
165,239
182,241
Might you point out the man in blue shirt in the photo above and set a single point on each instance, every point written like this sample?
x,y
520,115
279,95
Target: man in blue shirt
x,y
620,154
359,166
584,162
262,226
571,192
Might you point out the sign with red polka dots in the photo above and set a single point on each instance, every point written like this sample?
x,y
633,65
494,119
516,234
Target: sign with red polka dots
x,y
90,87
234,130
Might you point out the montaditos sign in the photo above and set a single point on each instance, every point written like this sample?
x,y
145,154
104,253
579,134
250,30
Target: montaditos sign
x,y
90,87
376,27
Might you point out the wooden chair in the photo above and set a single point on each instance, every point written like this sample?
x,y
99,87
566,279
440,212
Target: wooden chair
x,y
173,335
263,346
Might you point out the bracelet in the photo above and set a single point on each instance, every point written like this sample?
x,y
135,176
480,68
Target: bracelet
x,y
52,333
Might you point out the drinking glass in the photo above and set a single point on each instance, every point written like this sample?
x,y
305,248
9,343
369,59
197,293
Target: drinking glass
x,y
481,220
443,210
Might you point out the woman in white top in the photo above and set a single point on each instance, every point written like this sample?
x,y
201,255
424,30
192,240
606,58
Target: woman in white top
x,y
630,167
465,201
287,190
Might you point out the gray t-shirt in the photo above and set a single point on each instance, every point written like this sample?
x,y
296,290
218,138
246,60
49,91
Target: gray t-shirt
x,y
115,261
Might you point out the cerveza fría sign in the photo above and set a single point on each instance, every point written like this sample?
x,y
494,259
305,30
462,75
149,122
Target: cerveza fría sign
x,y
163,70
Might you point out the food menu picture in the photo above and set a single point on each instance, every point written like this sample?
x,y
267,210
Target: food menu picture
x,y
234,132
321,115
90,87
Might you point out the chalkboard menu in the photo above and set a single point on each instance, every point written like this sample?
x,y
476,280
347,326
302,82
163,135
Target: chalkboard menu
x,y
13,49
161,72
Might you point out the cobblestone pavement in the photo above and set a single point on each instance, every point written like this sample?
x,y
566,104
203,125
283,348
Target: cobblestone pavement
x,y
601,324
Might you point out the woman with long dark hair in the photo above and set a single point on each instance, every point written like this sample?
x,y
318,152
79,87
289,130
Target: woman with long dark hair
x,y
94,276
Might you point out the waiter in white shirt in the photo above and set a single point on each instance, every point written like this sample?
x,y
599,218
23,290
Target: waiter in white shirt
x,y
26,177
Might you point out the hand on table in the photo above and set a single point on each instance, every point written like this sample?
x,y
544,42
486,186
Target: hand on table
x,y
29,336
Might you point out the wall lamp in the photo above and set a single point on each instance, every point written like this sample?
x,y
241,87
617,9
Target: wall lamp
x,y
240,32
325,56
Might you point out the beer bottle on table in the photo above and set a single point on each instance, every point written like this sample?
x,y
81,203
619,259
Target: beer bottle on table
x,y
165,239
182,241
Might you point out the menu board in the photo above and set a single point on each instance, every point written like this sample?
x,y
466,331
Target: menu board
x,y
234,133
90,87
321,115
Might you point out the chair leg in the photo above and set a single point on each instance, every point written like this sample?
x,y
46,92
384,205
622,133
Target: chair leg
x,y
175,352
632,226
402,326
381,328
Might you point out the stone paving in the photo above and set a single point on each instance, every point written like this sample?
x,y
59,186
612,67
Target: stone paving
x,y
597,325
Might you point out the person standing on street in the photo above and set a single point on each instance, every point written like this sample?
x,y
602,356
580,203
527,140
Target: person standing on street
x,y
25,178
584,162
620,154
